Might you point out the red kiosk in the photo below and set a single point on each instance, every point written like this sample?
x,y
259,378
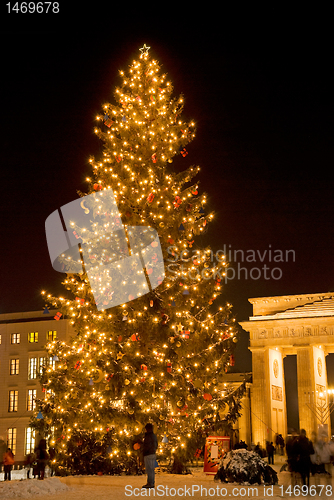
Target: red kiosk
x,y
215,449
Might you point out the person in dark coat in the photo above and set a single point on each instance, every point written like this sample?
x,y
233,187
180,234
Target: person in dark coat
x,y
302,448
270,452
42,458
150,446
292,459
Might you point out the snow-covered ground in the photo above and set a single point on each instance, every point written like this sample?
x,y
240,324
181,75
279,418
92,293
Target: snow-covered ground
x,y
196,485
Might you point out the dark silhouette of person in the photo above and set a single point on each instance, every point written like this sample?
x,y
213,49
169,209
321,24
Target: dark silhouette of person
x,y
150,446
42,458
270,453
302,448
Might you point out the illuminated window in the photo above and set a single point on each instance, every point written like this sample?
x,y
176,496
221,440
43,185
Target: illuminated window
x,y
14,366
42,364
13,400
32,368
11,439
52,363
15,338
31,399
30,440
32,337
51,335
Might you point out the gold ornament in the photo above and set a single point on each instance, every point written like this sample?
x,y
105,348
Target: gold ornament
x,y
99,377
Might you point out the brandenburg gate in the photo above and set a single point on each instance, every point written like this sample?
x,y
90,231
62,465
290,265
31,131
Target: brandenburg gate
x,y
291,324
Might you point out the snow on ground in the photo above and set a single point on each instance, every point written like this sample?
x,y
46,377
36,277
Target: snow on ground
x,y
197,485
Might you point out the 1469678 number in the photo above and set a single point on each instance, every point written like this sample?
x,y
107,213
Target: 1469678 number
x,y
310,491
33,7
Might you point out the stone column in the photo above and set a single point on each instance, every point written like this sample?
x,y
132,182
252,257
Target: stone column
x,y
260,397
244,422
306,385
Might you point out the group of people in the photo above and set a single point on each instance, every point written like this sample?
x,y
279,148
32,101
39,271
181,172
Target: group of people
x,y
38,460
306,457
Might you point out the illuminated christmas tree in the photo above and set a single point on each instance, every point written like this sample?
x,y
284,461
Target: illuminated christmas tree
x,y
159,356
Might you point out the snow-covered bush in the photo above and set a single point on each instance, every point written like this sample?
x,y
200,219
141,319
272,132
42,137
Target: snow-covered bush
x,y
242,466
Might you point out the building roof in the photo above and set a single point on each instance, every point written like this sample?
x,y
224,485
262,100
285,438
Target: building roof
x,y
317,308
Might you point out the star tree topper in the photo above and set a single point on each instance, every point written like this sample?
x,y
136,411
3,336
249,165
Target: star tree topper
x,y
144,50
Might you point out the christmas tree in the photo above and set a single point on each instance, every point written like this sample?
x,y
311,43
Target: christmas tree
x,y
160,355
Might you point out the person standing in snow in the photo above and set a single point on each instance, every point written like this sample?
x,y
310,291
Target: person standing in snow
x,y
270,452
42,458
150,446
8,461
302,449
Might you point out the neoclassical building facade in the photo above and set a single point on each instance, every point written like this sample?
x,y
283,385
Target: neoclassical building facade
x,y
280,326
23,337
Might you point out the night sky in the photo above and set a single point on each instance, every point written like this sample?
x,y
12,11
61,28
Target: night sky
x,y
260,92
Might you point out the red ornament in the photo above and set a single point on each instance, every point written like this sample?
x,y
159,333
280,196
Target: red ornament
x,y
150,197
177,202
135,337
169,367
143,367
58,316
232,361
154,158
207,396
97,187
77,365
108,121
